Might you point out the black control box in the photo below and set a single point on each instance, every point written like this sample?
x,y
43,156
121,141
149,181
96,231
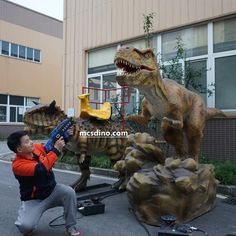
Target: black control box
x,y
90,207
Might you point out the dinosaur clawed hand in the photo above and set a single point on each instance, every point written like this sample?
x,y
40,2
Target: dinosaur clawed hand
x,y
177,124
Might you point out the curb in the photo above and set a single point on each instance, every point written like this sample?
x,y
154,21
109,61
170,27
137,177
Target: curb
x,y
64,166
227,189
94,170
221,189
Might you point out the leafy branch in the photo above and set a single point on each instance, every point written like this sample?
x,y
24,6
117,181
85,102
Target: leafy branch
x,y
148,26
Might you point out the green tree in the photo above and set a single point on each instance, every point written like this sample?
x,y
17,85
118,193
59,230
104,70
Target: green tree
x,y
148,26
188,76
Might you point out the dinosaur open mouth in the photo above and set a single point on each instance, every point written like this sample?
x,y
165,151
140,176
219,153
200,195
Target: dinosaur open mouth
x,y
129,68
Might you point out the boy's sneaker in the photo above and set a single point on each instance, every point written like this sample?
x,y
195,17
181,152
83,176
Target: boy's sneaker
x,y
73,233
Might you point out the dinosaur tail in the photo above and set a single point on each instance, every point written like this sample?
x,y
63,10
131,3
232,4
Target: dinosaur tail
x,y
214,112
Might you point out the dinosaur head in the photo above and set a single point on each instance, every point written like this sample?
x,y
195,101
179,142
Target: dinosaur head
x,y
139,66
42,119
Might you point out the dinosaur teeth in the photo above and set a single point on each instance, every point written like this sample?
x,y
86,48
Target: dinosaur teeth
x,y
120,72
127,68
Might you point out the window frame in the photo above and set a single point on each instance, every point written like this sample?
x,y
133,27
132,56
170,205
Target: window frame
x,y
28,58
39,55
8,106
100,74
22,58
118,91
210,61
9,49
18,52
2,105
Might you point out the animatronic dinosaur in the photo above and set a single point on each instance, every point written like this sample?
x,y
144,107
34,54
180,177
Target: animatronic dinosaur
x,y
43,119
179,109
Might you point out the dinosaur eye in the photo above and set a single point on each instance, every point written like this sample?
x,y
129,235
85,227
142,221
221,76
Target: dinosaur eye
x,y
148,55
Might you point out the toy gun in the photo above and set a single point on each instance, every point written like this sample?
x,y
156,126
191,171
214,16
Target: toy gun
x,y
58,132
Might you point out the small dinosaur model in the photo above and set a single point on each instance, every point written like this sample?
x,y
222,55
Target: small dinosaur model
x,y
179,109
42,119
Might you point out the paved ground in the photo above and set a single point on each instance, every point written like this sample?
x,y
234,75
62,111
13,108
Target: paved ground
x,y
117,220
3,148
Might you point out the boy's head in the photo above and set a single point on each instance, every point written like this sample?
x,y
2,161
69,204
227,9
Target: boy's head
x,y
19,142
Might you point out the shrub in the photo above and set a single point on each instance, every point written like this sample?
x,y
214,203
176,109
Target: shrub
x,y
101,162
33,137
96,161
225,171
38,137
69,159
3,137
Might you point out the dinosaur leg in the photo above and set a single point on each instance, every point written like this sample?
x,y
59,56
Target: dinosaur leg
x,y
194,133
174,137
81,183
122,182
122,178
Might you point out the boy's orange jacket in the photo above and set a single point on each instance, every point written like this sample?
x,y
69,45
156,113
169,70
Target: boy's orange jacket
x,y
35,175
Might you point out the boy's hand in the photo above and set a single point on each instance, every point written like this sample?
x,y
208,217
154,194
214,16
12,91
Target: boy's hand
x,y
59,144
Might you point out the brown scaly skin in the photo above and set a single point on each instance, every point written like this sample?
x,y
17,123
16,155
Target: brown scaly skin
x,y
180,110
42,119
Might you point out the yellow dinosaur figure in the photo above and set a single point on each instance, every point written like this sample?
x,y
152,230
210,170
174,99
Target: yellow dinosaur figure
x,y
88,112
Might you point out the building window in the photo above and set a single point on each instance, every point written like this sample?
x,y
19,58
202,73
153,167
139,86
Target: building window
x,y
3,99
194,40
19,51
17,110
225,35
30,54
16,114
16,100
109,82
190,73
37,55
140,44
101,60
30,101
199,84
132,106
14,50
5,48
12,114
102,74
225,82
22,51
3,113
94,82
174,71
3,108
12,107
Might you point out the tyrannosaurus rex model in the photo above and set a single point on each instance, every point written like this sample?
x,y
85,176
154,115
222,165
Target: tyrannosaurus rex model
x,y
179,109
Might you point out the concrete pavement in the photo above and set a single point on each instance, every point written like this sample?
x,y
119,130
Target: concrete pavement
x,y
116,221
